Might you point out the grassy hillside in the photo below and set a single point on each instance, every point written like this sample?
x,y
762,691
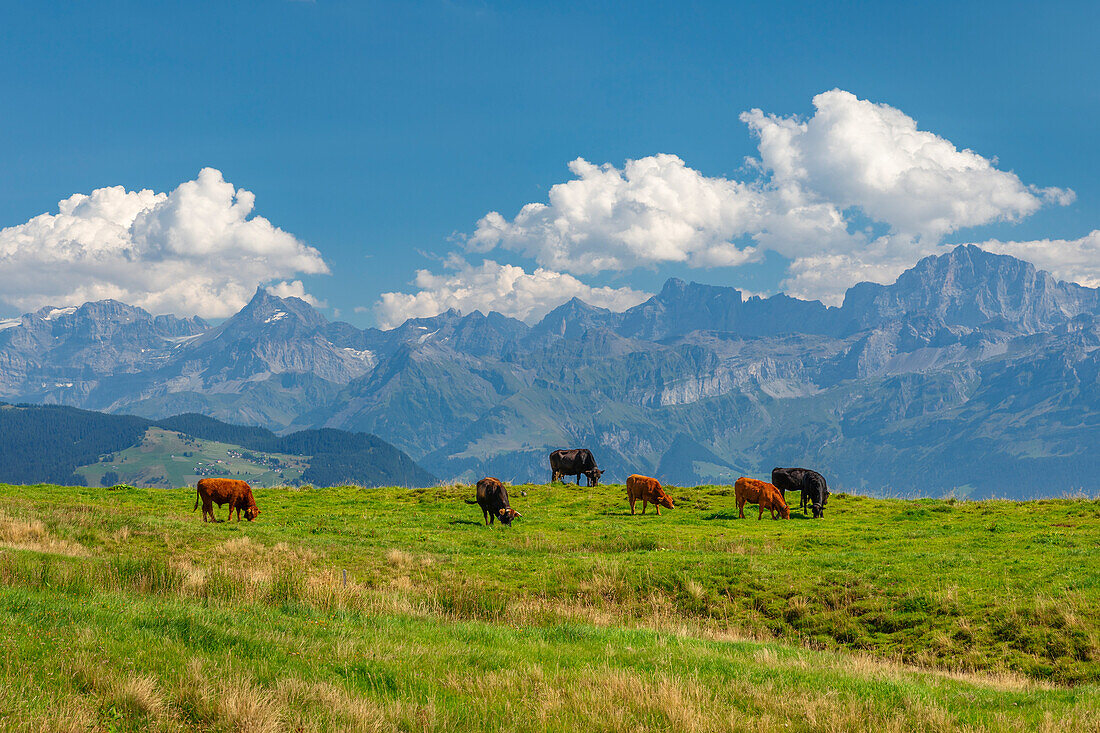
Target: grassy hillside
x,y
122,610
165,458
56,444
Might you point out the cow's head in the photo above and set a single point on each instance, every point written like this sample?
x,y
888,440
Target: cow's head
x,y
251,513
507,514
784,511
665,500
594,475
819,511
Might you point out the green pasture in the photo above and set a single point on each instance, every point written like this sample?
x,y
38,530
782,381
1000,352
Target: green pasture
x,y
394,609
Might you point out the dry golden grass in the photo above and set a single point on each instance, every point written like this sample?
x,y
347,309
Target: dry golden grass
x,y
32,534
221,697
400,559
233,703
138,695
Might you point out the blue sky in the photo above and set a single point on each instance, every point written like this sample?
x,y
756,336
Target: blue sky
x,y
379,134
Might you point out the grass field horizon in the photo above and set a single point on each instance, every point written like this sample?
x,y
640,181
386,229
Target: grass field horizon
x,y
121,610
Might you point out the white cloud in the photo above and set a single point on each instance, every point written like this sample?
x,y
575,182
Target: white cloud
x,y
492,286
294,289
855,192
653,210
192,251
826,276
854,153
1073,260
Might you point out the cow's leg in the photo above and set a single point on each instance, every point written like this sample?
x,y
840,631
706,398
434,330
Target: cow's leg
x,y
740,508
632,500
643,505
761,505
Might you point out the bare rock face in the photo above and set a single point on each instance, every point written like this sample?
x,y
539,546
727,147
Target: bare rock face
x,y
972,288
969,360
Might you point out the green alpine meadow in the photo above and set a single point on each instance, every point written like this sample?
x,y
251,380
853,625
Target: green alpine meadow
x,y
399,609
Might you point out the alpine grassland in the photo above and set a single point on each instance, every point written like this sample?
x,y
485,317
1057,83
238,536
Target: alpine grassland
x,y
398,609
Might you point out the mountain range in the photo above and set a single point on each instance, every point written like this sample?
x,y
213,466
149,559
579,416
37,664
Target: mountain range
x,y
973,373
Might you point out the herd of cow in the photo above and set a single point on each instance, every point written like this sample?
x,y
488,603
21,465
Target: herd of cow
x,y
492,496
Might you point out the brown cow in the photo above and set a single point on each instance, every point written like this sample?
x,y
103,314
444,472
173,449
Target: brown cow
x,y
649,491
752,491
237,494
492,497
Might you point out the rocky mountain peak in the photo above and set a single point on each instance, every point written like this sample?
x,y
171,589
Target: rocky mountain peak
x,y
283,315
572,318
970,287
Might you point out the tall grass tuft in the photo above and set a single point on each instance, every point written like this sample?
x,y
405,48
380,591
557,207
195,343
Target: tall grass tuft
x,y
470,601
287,586
144,575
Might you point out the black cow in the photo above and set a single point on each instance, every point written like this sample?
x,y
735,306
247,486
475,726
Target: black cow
x,y
574,462
811,484
492,497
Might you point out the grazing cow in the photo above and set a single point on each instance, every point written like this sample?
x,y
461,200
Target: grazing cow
x,y
492,497
649,491
751,491
811,485
237,494
574,462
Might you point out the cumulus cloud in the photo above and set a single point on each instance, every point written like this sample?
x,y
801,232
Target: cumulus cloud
x,y
294,289
857,191
191,251
497,287
1074,260
653,210
855,153
826,276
